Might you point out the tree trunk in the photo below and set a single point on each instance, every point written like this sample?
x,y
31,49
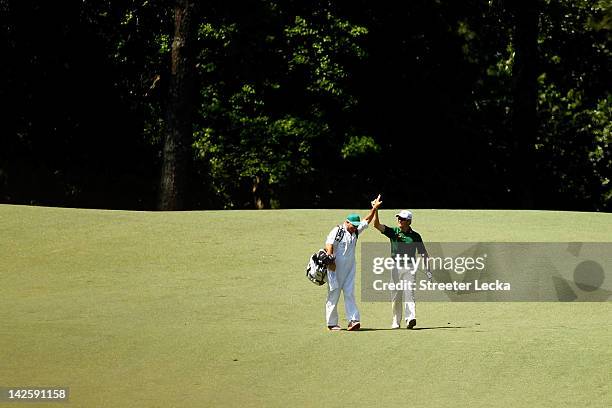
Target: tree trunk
x,y
261,197
525,92
179,109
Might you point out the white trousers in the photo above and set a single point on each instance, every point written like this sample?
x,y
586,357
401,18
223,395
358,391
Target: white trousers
x,y
346,284
403,299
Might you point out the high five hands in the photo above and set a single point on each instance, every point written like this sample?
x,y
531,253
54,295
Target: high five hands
x,y
376,202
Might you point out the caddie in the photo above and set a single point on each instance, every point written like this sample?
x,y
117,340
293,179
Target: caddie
x,y
341,242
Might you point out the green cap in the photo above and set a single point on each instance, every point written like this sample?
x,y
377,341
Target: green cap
x,y
354,219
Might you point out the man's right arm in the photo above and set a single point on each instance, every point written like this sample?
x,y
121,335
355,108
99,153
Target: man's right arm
x,y
329,247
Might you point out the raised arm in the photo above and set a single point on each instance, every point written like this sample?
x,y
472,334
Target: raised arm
x,y
375,204
377,224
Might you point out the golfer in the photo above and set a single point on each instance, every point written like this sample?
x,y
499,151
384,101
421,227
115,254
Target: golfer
x,y
341,243
404,240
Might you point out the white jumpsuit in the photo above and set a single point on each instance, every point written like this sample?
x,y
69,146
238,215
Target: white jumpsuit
x,y
343,278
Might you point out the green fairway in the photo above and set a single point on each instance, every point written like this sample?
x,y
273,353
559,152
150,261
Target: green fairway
x,y
211,308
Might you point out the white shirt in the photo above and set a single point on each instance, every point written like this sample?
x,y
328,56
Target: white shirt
x,y
345,248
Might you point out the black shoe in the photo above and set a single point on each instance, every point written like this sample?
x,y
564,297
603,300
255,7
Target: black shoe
x,y
411,324
354,325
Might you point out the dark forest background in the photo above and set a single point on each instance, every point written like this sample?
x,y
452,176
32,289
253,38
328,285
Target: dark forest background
x,y
306,104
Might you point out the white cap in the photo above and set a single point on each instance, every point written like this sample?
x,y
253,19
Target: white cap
x,y
404,214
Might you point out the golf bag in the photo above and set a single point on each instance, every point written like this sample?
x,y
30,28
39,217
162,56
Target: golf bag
x,y
316,270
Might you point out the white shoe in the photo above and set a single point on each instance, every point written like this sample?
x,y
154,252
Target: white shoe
x,y
395,326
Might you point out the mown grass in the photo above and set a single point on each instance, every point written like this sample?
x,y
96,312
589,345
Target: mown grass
x,y
191,309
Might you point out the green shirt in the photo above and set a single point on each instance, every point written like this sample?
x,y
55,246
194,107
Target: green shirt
x,y
404,242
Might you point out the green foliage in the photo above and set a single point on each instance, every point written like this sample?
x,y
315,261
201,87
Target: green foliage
x,y
319,45
574,107
250,128
277,149
291,92
562,138
138,35
357,146
601,17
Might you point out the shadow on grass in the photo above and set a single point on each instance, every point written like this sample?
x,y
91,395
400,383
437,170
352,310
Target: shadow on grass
x,y
440,327
414,328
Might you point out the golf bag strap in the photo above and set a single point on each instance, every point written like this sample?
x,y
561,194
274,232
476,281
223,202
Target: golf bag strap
x,y
340,234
